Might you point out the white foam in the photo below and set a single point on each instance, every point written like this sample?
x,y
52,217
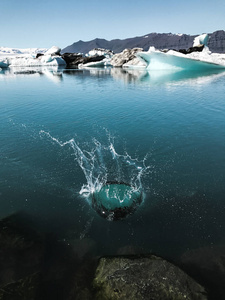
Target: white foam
x,y
102,163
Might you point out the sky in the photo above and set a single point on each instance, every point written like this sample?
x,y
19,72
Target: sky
x,y
44,23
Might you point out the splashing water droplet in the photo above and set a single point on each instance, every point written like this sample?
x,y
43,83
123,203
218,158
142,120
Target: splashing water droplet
x,y
113,181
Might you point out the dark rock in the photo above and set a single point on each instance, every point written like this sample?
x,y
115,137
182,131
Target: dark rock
x,y
208,266
21,249
142,278
195,49
184,51
82,281
23,252
73,60
39,54
93,58
192,49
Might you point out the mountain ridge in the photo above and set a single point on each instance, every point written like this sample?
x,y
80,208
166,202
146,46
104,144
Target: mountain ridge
x,y
158,40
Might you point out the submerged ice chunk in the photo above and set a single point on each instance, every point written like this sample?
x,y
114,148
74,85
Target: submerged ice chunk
x,y
115,200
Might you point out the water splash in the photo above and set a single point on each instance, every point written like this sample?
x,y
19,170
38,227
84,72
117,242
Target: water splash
x,y
101,164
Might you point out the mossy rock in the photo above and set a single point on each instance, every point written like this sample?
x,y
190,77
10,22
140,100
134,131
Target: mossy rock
x,y
146,277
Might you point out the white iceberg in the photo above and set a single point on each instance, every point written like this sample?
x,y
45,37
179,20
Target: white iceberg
x,y
53,50
27,57
174,60
45,60
100,51
201,40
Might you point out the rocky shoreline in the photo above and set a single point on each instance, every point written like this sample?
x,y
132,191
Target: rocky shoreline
x,y
36,265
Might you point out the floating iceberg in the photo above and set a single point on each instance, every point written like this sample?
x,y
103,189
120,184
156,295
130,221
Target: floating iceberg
x,y
45,60
53,50
174,60
29,57
201,40
4,63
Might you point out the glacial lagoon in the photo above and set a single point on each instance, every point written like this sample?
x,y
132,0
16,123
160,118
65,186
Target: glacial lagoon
x,y
64,132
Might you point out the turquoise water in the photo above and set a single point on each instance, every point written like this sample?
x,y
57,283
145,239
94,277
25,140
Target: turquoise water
x,y
171,126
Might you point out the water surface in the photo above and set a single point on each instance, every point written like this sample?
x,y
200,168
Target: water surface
x,y
170,124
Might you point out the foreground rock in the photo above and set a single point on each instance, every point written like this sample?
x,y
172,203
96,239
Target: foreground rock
x,y
118,60
208,265
21,249
141,278
33,265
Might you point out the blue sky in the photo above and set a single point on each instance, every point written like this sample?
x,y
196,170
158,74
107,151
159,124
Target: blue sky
x,y
45,23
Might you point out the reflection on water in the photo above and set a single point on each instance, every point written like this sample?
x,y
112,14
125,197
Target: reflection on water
x,y
53,73
141,76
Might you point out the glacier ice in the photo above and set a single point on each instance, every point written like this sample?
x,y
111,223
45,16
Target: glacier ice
x,y
174,60
53,50
27,57
45,60
201,40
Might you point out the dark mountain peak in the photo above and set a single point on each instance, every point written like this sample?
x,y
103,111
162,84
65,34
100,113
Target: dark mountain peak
x,y
158,40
